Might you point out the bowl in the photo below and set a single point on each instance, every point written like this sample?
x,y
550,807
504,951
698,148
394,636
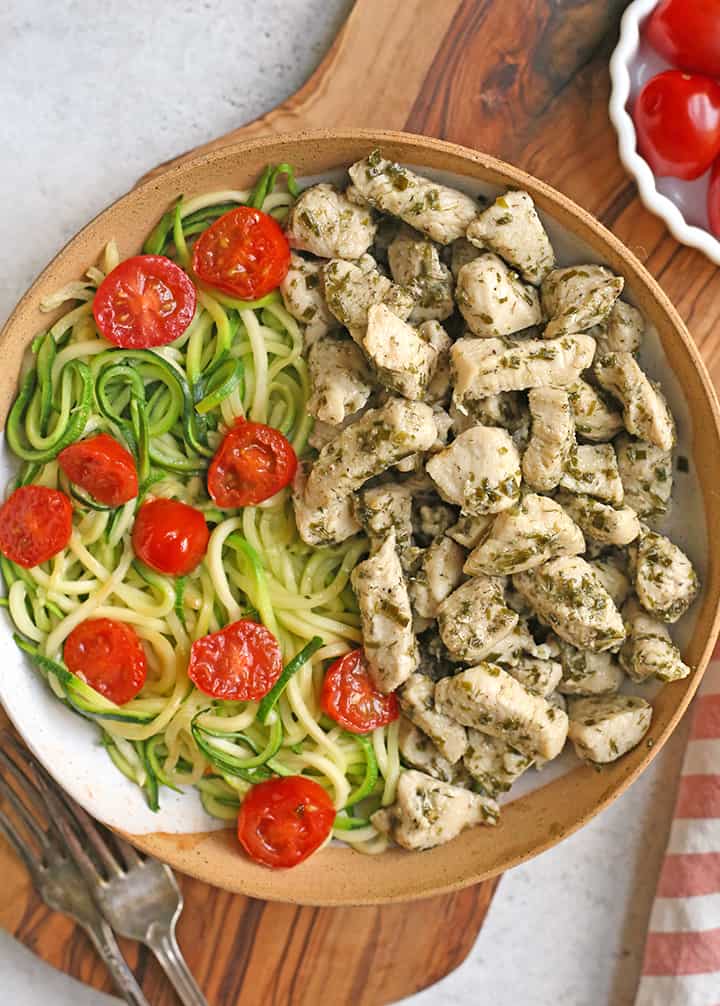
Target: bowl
x,y
680,204
559,804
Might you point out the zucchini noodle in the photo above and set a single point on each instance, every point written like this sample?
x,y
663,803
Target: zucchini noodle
x,y
171,406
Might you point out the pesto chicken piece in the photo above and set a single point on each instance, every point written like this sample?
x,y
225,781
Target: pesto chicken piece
x,y
604,728
485,367
417,701
541,677
493,299
404,362
441,213
439,574
647,476
665,581
385,508
552,437
490,700
648,651
469,530
568,595
592,469
438,389
612,570
527,535
507,409
462,251
585,673
324,433
578,297
418,751
623,330
479,471
302,295
474,619
603,523
428,812
520,644
415,263
645,412
352,288
595,418
324,222
493,764
340,379
512,229
329,524
386,617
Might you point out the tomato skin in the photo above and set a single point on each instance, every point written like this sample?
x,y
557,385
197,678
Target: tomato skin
x,y
108,656
102,467
253,463
351,699
35,524
240,662
687,34
244,253
170,536
283,821
145,301
677,117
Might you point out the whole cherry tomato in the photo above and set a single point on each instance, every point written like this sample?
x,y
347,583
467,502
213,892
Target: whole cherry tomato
x,y
35,524
253,463
244,253
283,821
677,117
145,301
351,699
102,467
687,34
108,655
170,536
240,662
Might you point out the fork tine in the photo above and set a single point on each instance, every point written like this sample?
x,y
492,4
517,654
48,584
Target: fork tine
x,y
64,823
21,810
11,834
92,831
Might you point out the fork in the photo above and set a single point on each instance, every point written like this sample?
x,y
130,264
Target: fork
x,y
138,897
58,880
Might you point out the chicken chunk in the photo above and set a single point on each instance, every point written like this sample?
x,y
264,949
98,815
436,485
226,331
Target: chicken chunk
x,y
541,677
603,729
469,530
324,222
418,751
490,700
428,812
322,525
585,673
386,617
493,763
601,522
578,297
648,650
339,377
441,213
592,470
479,471
665,581
474,619
415,263
567,595
404,361
462,251
520,644
352,288
384,508
647,476
417,701
302,295
438,389
645,412
623,330
512,229
508,409
439,574
612,570
493,300
552,437
595,418
527,535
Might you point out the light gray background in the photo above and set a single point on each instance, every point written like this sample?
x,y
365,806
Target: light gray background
x,y
93,95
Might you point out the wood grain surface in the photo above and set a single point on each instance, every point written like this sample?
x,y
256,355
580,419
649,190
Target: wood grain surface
x,y
527,81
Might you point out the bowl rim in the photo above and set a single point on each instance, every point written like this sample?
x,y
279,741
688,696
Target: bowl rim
x,y
341,876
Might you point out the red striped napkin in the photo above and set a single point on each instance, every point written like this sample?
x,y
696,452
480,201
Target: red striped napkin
x,y
682,953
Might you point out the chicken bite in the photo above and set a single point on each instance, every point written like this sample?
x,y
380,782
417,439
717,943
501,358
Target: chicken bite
x,y
541,677
492,763
439,574
648,650
623,330
339,377
493,300
352,288
475,618
647,476
384,508
302,295
645,412
578,297
585,673
479,471
603,729
418,751
324,222
599,521
469,529
329,524
552,437
417,701
612,570
438,388
592,470
512,229
665,581
595,418
415,263
404,361
520,644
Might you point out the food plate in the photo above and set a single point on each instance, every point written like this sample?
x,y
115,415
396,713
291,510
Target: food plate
x,y
559,802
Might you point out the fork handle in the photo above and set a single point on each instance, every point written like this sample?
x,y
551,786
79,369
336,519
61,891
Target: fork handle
x,y
107,946
169,955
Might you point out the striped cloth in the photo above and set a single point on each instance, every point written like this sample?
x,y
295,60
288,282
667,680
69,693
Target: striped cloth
x,y
682,953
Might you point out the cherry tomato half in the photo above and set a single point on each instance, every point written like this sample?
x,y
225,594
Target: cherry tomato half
x,y
244,253
102,467
351,699
687,34
283,821
170,536
145,301
253,463
240,662
35,524
677,117
108,655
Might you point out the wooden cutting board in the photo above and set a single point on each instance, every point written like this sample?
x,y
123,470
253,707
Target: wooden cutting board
x,y
527,81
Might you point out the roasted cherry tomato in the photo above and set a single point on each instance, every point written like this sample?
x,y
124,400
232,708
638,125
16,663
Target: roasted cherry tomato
x,y
351,699
240,662
687,34
713,199
145,301
35,524
677,117
253,463
102,467
244,253
283,821
170,536
109,656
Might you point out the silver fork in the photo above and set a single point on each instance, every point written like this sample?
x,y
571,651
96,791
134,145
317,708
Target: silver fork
x,y
58,880
139,897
